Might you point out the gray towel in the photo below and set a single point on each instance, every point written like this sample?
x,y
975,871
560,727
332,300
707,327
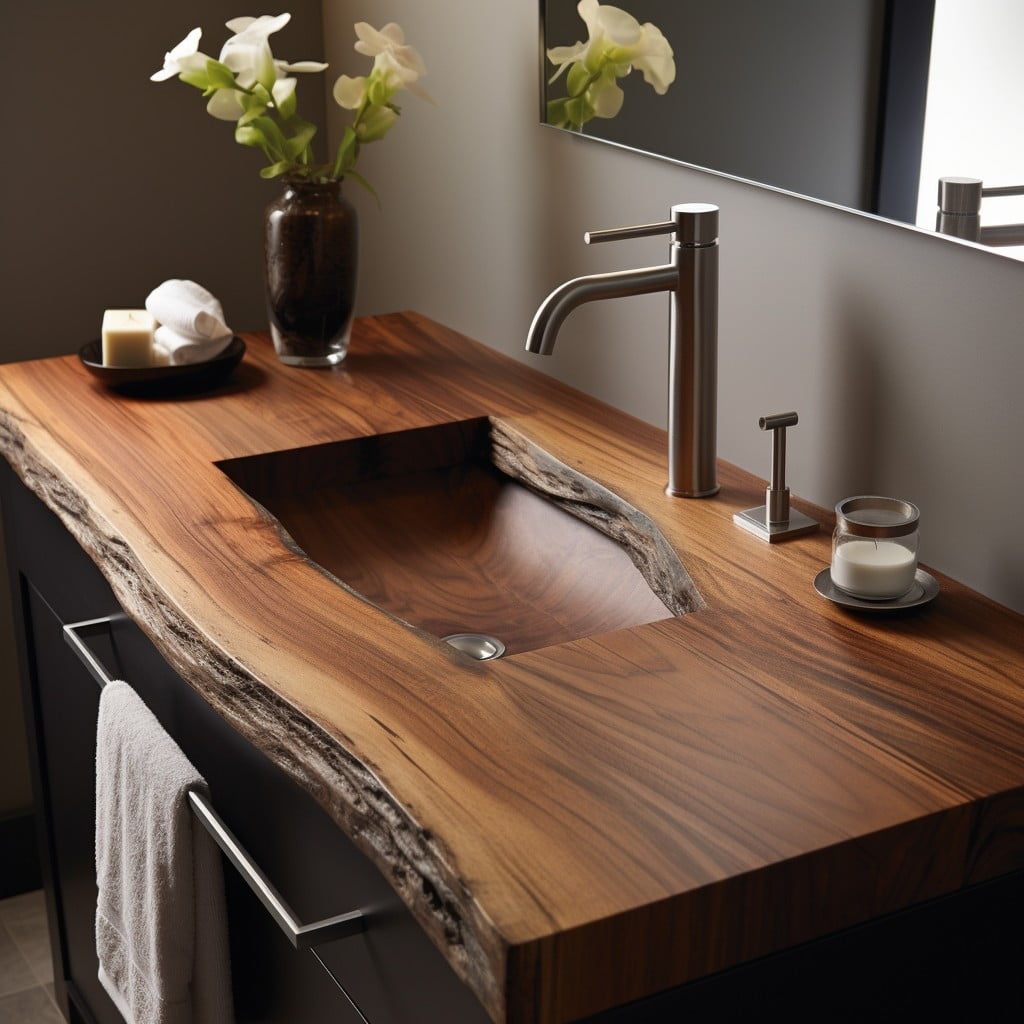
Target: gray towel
x,y
161,926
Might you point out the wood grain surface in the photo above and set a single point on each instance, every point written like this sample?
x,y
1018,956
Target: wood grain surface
x,y
424,524
584,823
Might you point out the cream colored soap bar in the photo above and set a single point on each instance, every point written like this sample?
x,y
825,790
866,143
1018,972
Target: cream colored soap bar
x,y
128,337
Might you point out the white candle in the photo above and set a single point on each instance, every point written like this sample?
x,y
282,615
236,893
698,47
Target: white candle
x,y
128,337
877,570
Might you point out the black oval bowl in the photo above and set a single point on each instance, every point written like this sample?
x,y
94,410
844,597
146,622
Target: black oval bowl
x,y
162,380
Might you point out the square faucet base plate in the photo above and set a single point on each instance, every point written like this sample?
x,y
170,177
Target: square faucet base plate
x,y
755,521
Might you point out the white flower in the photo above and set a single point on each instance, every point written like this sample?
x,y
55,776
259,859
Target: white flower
x,y
225,105
399,65
605,95
302,66
184,57
250,86
284,90
247,52
350,92
653,57
616,44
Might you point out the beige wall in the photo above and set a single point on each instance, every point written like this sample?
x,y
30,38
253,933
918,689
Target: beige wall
x,y
903,353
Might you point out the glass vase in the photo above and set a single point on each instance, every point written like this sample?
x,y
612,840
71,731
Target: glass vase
x,y
311,263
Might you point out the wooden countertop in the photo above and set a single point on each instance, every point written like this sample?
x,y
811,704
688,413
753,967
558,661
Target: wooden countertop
x,y
586,823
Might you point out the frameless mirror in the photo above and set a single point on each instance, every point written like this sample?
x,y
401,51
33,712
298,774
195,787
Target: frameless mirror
x,y
864,104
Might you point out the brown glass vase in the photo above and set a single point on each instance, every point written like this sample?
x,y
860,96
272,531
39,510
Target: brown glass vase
x,y
311,263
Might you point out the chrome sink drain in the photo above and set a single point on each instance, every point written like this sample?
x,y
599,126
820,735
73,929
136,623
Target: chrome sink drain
x,y
476,645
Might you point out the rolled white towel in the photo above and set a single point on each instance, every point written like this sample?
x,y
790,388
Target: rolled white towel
x,y
192,327
171,347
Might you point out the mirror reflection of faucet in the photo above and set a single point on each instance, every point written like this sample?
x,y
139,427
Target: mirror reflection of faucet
x,y
959,213
692,281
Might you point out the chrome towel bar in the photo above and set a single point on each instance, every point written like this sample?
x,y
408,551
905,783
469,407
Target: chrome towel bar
x,y
301,936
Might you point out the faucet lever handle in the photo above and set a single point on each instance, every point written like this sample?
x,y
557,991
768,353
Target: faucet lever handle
x,y
775,520
778,493
664,227
695,226
780,420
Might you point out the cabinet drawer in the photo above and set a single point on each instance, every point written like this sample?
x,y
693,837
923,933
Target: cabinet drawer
x,y
392,970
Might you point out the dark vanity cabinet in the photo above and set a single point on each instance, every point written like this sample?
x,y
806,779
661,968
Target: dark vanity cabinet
x,y
957,955
391,971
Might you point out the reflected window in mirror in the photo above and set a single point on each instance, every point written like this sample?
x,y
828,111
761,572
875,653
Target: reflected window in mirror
x,y
823,98
974,122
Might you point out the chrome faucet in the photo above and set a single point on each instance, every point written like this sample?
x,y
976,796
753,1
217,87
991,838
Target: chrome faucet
x,y
959,212
692,279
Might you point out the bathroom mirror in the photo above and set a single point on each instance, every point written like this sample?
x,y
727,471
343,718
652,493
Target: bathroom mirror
x,y
842,101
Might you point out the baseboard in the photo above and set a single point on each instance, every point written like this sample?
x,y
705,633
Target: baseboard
x,y
19,856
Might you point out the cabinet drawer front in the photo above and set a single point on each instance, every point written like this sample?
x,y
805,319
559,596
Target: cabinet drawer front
x,y
393,972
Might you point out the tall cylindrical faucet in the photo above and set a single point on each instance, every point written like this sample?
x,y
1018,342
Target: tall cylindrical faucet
x,y
692,281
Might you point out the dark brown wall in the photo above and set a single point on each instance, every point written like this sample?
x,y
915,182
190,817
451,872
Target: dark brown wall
x,y
110,184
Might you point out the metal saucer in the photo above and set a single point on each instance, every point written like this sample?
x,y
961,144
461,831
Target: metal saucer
x,y
925,589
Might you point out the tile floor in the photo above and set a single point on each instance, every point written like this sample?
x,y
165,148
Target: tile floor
x,y
26,972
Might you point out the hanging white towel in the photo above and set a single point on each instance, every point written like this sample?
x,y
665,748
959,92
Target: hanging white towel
x,y
161,926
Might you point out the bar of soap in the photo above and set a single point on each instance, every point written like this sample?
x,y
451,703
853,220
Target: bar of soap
x,y
128,337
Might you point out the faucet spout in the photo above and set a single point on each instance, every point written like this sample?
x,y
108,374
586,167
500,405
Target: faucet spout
x,y
564,299
692,281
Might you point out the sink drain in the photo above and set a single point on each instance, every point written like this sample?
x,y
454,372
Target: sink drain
x,y
476,645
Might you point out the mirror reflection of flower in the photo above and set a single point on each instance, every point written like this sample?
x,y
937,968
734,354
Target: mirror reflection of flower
x,y
617,44
251,87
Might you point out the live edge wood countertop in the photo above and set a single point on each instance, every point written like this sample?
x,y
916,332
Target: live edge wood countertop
x,y
586,823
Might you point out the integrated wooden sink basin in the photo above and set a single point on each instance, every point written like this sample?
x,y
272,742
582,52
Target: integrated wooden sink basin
x,y
469,527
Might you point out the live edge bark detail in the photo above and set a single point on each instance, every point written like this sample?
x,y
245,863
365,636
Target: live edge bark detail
x,y
409,856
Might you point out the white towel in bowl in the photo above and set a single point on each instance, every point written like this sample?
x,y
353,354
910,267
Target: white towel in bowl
x,y
179,349
192,327
161,924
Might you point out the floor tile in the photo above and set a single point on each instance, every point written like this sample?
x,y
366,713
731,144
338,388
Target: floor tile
x,y
24,917
15,973
26,907
33,1006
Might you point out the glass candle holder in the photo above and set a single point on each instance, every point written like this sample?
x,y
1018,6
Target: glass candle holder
x,y
874,547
